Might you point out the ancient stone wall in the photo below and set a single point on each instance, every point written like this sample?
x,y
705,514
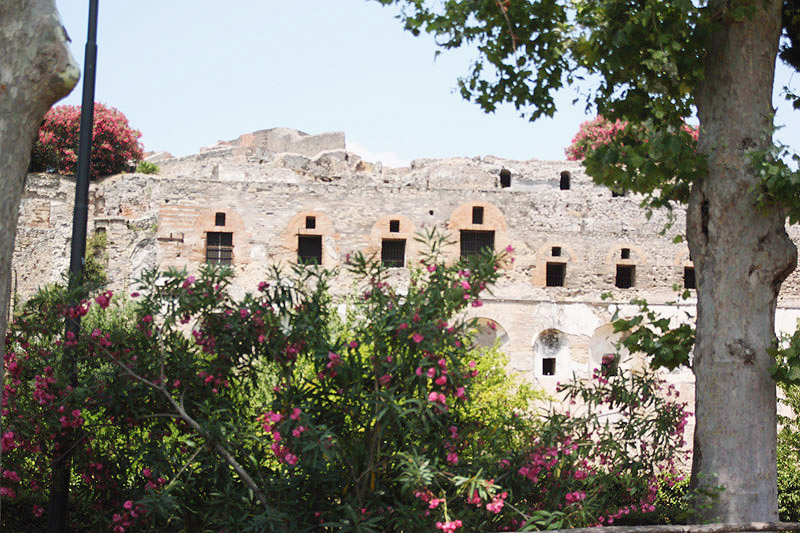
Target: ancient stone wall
x,y
275,191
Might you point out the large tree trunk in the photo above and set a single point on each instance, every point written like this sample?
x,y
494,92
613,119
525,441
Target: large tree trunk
x,y
36,70
741,255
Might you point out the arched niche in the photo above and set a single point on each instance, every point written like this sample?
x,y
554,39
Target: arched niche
x,y
551,354
603,342
489,333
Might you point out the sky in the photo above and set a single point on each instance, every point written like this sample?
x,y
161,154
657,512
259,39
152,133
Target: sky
x,y
190,73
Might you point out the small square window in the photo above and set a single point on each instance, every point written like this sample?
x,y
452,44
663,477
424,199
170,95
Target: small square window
x,y
393,253
219,219
566,178
625,253
477,214
556,251
556,272
311,222
548,366
505,178
219,248
688,278
309,249
626,276
394,226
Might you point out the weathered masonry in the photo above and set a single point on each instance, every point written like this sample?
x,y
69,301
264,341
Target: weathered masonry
x,y
281,196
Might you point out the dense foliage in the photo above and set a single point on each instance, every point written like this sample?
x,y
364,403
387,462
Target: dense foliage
x,y
197,410
788,454
115,145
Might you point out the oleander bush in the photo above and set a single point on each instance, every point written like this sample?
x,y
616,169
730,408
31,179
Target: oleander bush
x,y
115,145
197,411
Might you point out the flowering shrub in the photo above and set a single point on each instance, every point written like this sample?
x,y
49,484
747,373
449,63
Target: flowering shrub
x,y
115,145
657,160
592,134
379,424
601,458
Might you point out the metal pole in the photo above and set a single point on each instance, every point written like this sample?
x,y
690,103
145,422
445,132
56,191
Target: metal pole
x,y
59,492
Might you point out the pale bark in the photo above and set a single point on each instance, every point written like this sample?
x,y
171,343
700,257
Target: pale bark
x,y
36,70
741,256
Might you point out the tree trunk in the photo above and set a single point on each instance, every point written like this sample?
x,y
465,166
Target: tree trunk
x,y
741,256
36,70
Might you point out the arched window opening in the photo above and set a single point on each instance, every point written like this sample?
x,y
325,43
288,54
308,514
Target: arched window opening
x,y
551,351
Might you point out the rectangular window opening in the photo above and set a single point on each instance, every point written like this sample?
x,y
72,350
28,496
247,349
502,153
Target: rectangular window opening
x,y
394,226
309,249
626,276
393,253
556,272
625,253
565,180
477,214
556,251
311,222
473,242
219,219
548,366
505,178
688,278
219,247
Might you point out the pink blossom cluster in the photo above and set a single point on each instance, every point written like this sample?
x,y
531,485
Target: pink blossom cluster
x,y
104,299
269,421
449,526
598,132
115,145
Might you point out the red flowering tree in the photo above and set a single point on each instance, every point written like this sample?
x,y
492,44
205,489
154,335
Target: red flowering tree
x,y
115,145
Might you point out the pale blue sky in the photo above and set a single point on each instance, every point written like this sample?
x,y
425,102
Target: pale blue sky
x,y
189,73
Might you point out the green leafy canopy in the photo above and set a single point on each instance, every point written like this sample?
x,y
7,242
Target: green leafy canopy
x,y
641,62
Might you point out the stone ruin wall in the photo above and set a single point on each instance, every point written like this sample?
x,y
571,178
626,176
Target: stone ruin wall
x,y
268,182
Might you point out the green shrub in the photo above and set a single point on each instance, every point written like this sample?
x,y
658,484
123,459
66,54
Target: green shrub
x,y
788,455
146,167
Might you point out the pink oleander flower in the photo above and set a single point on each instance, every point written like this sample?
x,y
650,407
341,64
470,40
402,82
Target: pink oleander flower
x,y
385,379
452,458
497,503
104,299
417,338
448,526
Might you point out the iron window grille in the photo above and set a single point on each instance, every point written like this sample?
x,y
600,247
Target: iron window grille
x,y
219,247
556,272
473,242
393,253
309,249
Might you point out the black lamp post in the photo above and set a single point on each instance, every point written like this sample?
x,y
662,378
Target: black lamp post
x,y
59,491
